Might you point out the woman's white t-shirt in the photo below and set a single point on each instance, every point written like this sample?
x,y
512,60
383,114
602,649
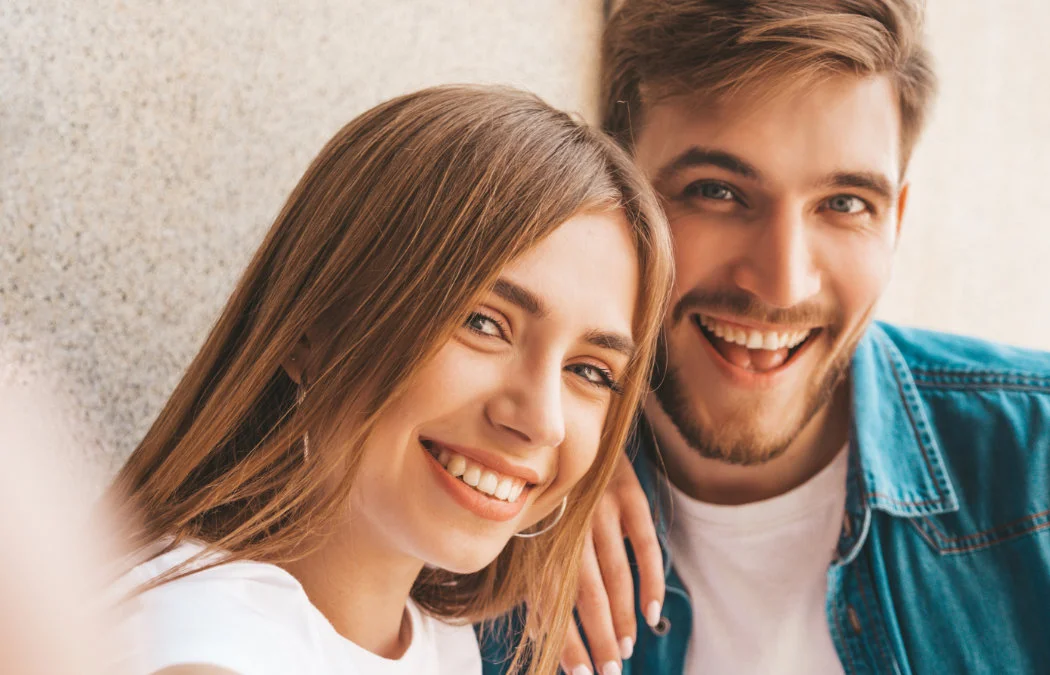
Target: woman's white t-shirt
x,y
255,619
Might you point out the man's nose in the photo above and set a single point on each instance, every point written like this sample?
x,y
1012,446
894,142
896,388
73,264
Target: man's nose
x,y
529,407
779,266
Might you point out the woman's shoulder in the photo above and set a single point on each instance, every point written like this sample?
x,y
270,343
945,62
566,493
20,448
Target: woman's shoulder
x,y
247,617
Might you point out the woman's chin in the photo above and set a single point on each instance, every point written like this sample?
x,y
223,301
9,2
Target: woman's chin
x,y
467,557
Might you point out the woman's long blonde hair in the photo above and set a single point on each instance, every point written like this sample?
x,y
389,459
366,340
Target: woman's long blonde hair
x,y
402,221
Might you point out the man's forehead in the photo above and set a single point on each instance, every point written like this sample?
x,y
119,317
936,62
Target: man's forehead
x,y
844,123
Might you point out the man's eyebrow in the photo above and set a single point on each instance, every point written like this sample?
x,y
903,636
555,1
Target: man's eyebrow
x,y
520,296
698,156
614,341
864,180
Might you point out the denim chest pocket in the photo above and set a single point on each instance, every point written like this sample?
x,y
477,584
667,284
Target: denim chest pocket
x,y
946,535
995,440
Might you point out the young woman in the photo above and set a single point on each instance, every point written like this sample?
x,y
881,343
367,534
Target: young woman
x,y
436,353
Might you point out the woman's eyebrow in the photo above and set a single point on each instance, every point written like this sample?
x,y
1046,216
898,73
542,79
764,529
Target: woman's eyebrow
x,y
528,301
614,341
522,297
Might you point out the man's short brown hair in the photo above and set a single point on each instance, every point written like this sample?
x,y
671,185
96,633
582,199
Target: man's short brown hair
x,y
715,49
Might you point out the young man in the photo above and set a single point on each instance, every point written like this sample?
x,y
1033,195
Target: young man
x,y
831,495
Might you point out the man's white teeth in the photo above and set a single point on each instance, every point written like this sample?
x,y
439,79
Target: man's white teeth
x,y
754,339
504,488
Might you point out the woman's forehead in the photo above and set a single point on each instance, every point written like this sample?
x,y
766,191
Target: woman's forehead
x,y
585,272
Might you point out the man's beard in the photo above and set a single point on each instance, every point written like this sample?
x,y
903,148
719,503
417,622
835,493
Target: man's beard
x,y
749,448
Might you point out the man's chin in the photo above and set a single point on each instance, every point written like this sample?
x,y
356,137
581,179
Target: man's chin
x,y
741,442
741,449
750,435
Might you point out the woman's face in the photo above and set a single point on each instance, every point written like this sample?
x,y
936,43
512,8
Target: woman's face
x,y
492,433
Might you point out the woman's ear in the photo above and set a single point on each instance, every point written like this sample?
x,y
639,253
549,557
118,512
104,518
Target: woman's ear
x,y
295,363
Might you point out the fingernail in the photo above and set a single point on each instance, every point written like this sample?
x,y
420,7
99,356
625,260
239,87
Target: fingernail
x,y
611,668
652,614
581,670
626,648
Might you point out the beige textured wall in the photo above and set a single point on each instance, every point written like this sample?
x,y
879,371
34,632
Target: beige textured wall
x,y
145,147
975,253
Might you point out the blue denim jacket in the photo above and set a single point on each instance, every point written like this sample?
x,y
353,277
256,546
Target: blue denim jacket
x,y
943,563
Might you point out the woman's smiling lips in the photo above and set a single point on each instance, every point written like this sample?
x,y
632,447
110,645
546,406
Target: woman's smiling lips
x,y
481,482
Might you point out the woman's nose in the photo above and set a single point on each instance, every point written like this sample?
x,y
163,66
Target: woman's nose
x,y
530,406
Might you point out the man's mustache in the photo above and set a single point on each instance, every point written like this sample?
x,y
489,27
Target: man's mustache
x,y
746,306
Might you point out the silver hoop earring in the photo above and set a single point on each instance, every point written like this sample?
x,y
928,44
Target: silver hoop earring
x,y
299,398
561,512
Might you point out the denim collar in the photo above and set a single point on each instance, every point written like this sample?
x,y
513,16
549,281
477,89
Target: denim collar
x,y
900,463
895,464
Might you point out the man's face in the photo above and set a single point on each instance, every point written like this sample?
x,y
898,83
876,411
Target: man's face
x,y
785,219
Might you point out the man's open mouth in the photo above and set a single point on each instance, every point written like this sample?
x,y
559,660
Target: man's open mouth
x,y
759,351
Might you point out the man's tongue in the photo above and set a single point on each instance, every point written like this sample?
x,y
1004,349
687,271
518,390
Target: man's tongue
x,y
758,360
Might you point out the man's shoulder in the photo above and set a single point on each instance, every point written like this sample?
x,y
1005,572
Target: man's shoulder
x,y
939,358
974,393
980,411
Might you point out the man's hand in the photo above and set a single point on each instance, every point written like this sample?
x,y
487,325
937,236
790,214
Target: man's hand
x,y
605,603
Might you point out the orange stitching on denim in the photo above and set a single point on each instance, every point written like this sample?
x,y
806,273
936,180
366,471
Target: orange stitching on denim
x,y
924,502
990,531
982,386
1015,376
875,615
845,643
991,542
922,533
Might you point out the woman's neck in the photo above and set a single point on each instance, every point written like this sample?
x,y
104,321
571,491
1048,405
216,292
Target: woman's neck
x,y
362,588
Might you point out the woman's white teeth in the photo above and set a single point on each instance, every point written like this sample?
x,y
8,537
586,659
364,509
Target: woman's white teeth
x,y
754,339
504,488
488,482
456,466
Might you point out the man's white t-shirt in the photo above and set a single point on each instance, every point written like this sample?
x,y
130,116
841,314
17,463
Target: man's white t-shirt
x,y
255,619
757,578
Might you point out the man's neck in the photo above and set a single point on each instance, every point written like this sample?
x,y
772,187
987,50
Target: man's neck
x,y
362,588
718,482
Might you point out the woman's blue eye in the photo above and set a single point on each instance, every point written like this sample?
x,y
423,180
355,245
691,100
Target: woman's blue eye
x,y
483,325
846,204
599,377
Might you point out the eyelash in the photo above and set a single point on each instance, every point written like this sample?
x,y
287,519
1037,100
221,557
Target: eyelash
x,y
473,316
868,208
698,186
607,379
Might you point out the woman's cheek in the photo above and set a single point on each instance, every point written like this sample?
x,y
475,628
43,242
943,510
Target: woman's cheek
x,y
580,449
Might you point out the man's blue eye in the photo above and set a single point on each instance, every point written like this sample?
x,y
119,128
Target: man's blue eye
x,y
708,190
846,204
715,191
